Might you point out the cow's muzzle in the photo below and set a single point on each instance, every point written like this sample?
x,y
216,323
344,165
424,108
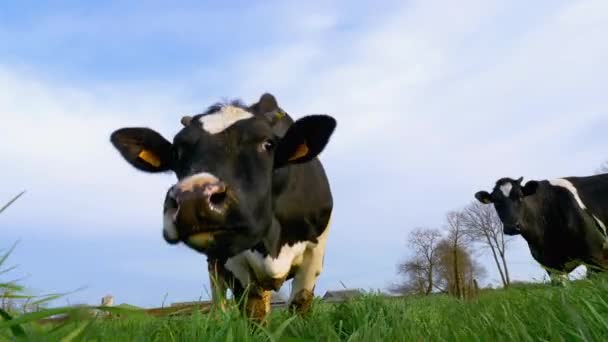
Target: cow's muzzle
x,y
195,209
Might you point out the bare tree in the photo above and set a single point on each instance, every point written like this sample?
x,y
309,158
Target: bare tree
x,y
424,244
460,281
415,280
420,268
457,239
483,225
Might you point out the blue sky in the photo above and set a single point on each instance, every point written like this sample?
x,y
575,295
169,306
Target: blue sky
x,y
434,102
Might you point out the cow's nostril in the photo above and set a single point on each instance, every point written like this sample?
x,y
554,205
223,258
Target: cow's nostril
x,y
217,198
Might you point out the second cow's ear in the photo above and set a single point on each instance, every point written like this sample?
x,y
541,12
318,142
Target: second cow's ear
x,y
304,140
530,188
143,148
484,197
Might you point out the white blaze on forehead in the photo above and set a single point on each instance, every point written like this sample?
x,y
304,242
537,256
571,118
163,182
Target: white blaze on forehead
x,y
506,189
564,183
224,118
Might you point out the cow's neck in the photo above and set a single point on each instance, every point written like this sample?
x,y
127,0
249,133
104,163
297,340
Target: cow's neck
x,y
534,215
271,243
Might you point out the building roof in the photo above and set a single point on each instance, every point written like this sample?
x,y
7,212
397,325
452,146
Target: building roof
x,y
342,294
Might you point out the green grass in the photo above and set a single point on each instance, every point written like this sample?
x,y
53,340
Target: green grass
x,y
578,312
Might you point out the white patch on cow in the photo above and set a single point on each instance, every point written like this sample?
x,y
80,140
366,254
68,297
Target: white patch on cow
x,y
506,189
277,267
242,264
266,267
224,118
311,266
307,255
601,224
239,268
570,187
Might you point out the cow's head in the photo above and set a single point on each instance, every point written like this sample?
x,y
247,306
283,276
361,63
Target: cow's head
x,y
226,161
508,199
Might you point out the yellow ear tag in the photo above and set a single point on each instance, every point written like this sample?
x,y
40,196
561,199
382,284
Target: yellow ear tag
x,y
301,151
279,114
149,158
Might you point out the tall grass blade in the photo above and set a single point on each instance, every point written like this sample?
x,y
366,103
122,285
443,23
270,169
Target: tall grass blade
x,y
35,316
79,331
11,201
17,330
7,254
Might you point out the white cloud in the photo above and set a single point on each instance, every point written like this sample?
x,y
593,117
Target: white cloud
x,y
57,147
426,127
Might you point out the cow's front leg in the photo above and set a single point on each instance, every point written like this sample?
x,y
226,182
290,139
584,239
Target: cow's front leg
x,y
558,278
303,286
252,299
218,286
257,306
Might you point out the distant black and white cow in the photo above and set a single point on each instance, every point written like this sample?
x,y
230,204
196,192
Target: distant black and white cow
x,y
562,220
251,195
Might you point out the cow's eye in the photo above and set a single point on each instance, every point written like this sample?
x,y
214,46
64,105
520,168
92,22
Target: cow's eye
x,y
268,145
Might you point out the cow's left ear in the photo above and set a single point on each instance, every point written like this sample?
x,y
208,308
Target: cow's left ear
x,y
530,188
484,197
304,140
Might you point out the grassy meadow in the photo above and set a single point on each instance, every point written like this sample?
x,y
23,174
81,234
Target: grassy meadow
x,y
533,312
577,312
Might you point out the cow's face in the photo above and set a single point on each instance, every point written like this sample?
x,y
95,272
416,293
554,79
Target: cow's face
x,y
508,199
226,162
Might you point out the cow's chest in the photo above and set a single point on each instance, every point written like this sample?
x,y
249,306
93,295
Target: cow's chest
x,y
251,265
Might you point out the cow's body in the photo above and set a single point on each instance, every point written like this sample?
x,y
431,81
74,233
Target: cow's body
x,y
251,195
294,248
562,220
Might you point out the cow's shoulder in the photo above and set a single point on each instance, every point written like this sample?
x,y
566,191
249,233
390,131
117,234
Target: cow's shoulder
x,y
304,205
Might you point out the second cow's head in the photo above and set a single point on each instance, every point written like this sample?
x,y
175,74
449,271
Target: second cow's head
x,y
228,161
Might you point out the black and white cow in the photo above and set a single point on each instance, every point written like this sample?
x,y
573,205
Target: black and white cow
x,y
251,195
562,220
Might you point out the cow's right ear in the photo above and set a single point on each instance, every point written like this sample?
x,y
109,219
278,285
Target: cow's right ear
x,y
484,197
143,148
530,188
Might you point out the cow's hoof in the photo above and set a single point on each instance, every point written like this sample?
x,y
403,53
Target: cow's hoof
x,y
258,307
302,302
216,311
559,283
